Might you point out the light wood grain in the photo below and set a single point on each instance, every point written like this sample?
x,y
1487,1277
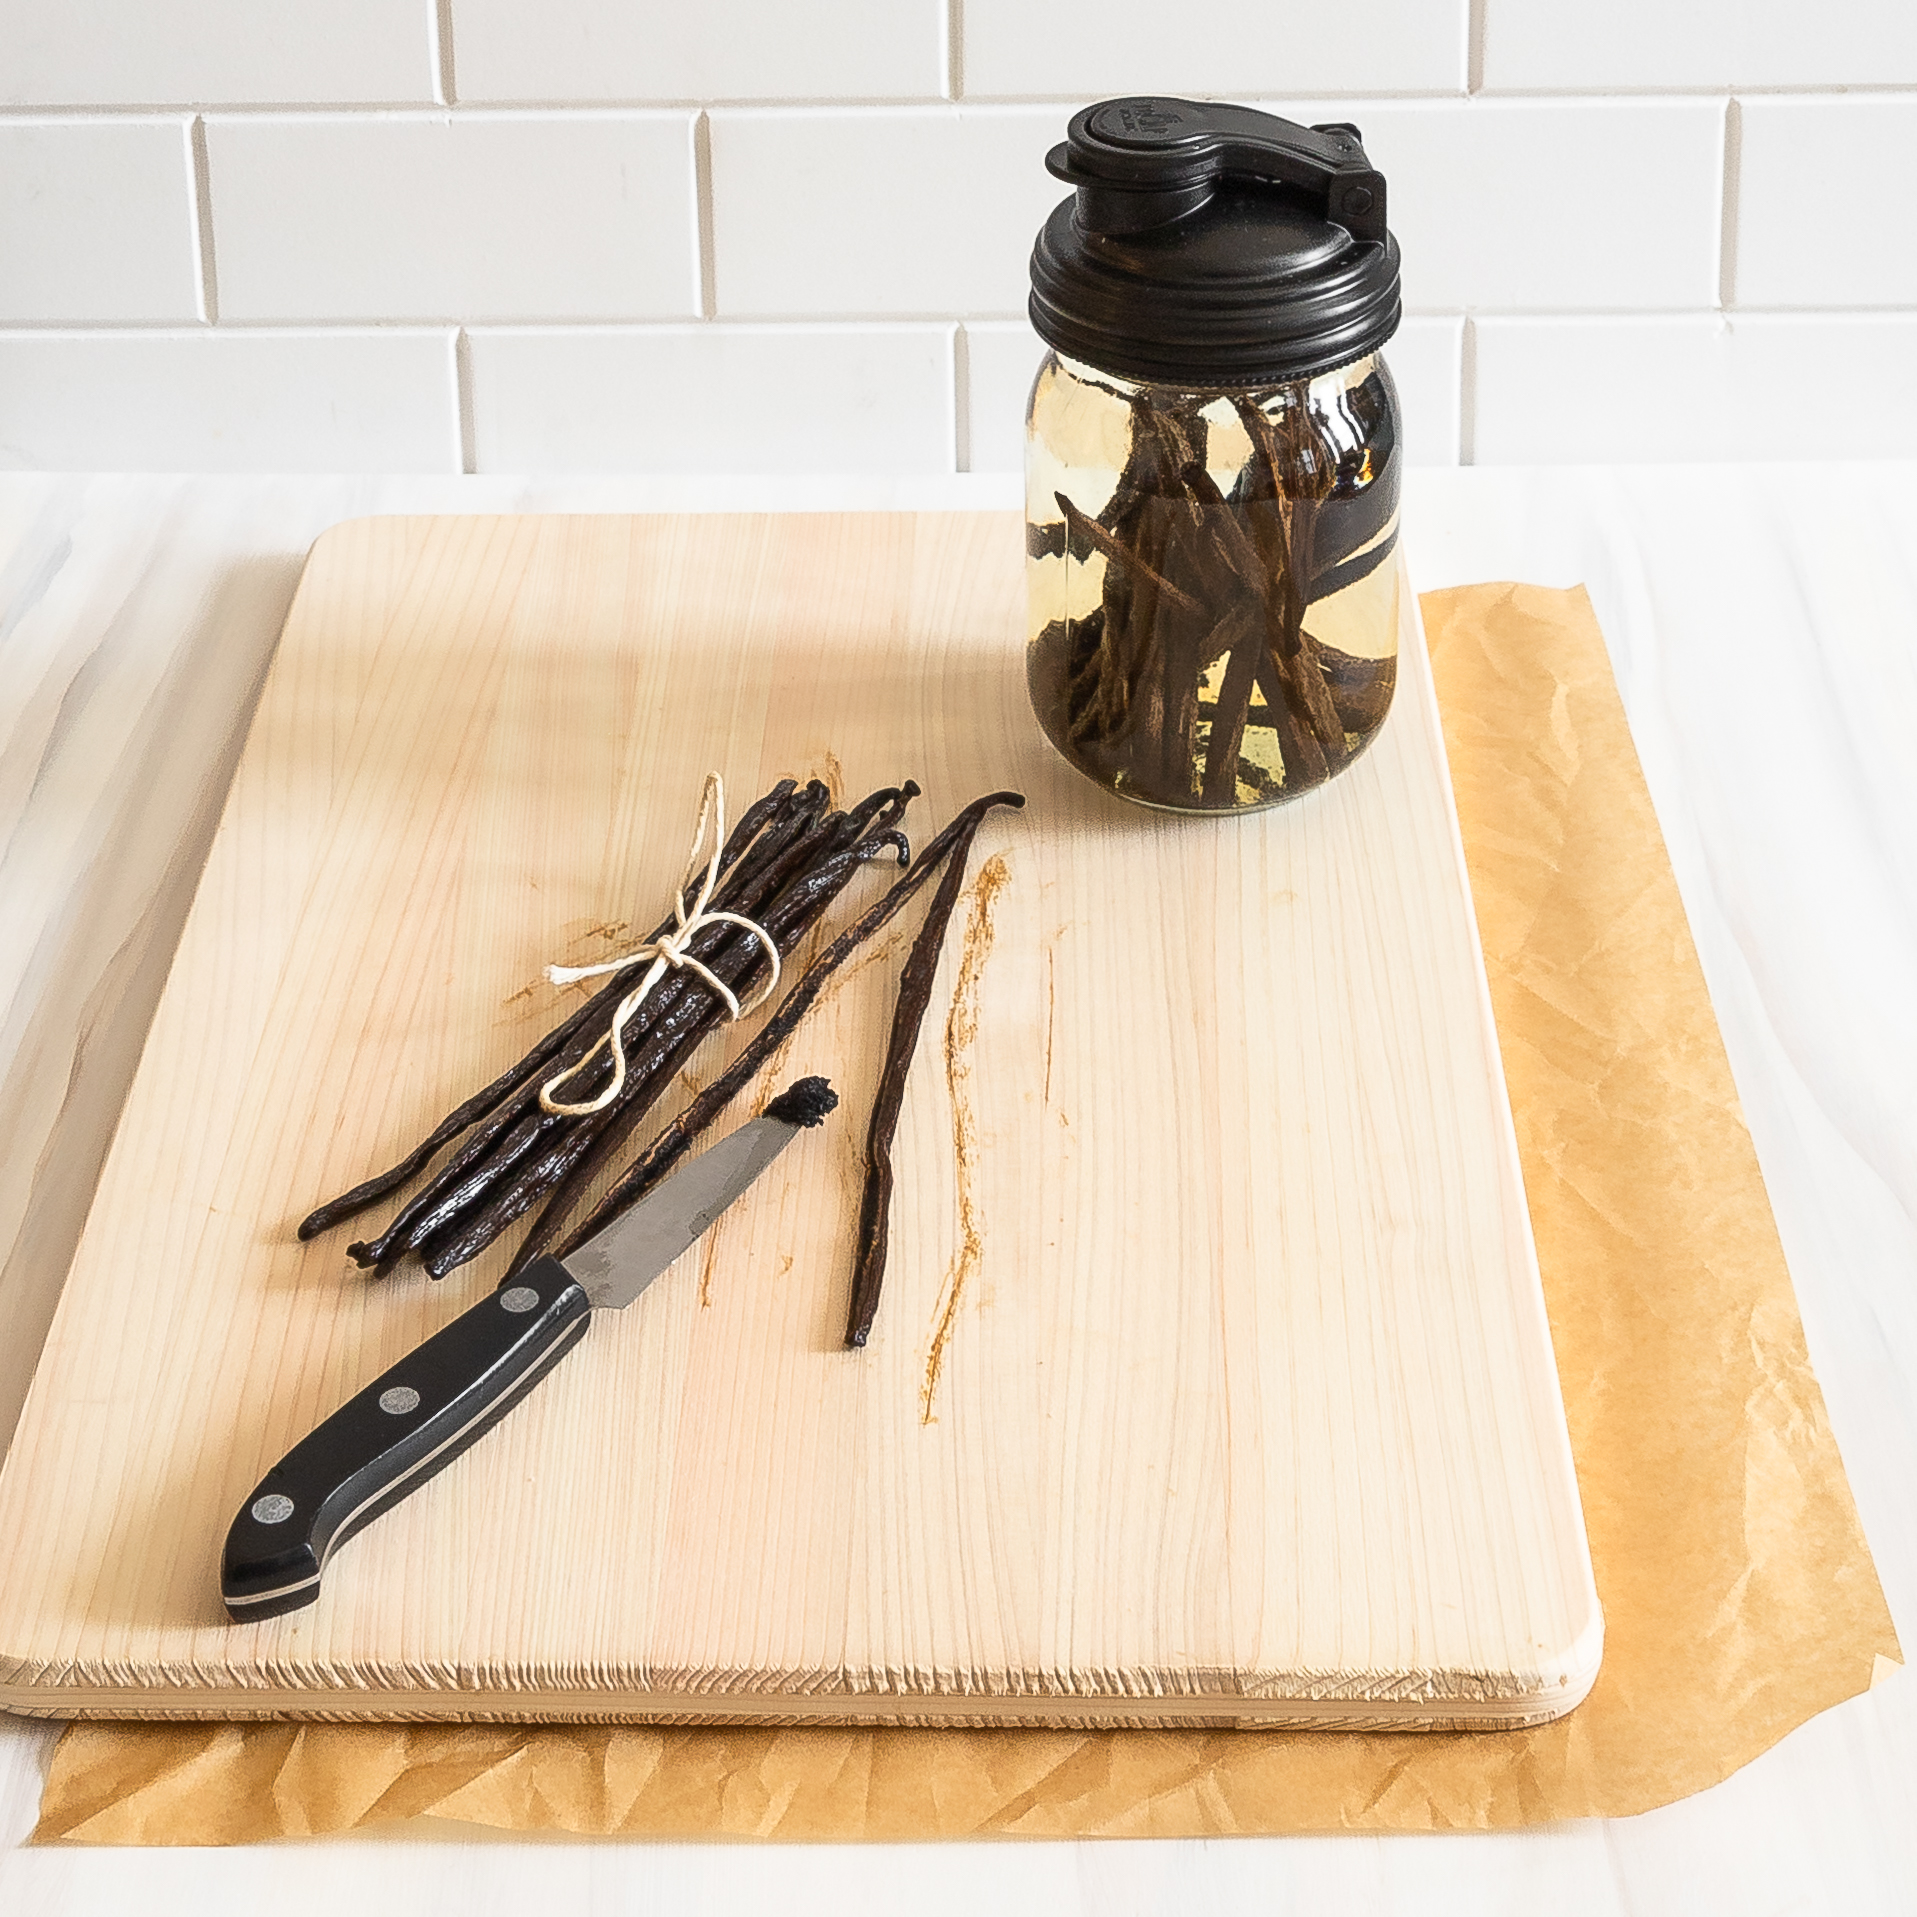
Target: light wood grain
x,y
1245,1410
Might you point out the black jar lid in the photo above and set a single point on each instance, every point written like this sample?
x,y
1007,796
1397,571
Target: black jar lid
x,y
1213,246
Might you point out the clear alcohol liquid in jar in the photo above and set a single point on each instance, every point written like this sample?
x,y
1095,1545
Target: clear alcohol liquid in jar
x,y
1212,580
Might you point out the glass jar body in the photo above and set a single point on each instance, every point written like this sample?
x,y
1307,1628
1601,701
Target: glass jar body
x,y
1213,597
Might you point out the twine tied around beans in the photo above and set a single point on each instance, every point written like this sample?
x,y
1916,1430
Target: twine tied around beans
x,y
667,953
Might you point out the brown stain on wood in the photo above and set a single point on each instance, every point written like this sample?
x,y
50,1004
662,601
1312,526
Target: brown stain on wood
x,y
961,1029
606,931
1051,1014
544,990
832,776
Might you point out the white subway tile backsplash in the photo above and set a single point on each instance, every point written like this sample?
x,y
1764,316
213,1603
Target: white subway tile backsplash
x,y
1425,359
209,401
718,50
1558,45
230,52
878,212
714,399
1001,360
484,217
1092,47
96,221
1002,357
1590,45
863,240
1640,391
1825,203
1839,43
934,210
1560,204
1782,43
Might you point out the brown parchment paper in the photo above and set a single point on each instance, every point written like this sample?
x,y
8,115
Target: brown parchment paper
x,y
1739,1594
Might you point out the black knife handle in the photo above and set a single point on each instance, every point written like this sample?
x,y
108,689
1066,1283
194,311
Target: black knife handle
x,y
392,1437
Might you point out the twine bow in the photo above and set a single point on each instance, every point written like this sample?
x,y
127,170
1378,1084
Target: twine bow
x,y
668,952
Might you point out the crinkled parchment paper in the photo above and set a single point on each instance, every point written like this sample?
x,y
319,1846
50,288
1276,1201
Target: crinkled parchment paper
x,y
1738,1591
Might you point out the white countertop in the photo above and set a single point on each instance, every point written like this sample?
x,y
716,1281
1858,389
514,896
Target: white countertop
x,y
1763,623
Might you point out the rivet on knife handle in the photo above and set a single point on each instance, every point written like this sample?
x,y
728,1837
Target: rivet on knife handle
x,y
394,1435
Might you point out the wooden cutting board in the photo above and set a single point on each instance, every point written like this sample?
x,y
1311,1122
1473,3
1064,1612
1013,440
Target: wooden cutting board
x,y
1212,1383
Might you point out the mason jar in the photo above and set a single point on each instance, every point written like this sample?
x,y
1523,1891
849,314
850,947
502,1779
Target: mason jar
x,y
1213,457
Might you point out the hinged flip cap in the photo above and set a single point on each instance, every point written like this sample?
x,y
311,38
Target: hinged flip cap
x,y
1214,246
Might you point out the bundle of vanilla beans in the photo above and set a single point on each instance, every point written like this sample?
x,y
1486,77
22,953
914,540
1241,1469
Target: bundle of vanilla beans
x,y
782,866
1194,683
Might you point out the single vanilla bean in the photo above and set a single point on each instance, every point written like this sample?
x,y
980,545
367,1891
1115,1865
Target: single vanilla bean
x,y
915,996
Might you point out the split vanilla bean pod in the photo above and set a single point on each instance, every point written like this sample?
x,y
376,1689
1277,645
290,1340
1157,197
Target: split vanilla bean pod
x,y
915,997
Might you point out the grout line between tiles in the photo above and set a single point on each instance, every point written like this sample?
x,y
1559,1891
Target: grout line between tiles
x,y
413,327
209,284
961,401
438,322
954,49
1728,212
1474,47
1468,394
463,398
704,223
439,25
1834,93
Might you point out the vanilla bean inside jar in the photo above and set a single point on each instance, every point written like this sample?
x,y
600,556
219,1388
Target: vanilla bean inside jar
x,y
1212,456
1214,602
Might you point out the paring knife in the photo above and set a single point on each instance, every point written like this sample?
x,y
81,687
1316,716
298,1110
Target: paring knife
x,y
419,1416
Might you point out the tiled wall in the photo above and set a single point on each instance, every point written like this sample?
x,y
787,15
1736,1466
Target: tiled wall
x,y
791,235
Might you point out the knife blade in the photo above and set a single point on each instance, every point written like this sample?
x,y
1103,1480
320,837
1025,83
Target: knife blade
x,y
415,1419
